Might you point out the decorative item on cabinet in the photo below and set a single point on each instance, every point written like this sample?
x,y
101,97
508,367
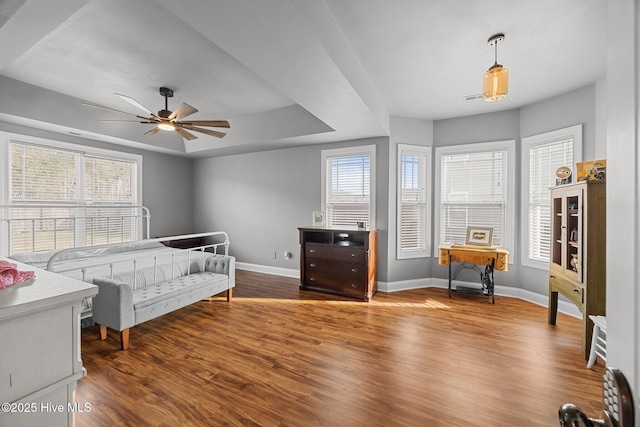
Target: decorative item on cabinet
x,y
573,237
479,236
563,175
593,170
318,218
339,261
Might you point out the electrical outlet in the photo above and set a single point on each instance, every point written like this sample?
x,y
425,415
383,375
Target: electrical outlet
x,y
288,255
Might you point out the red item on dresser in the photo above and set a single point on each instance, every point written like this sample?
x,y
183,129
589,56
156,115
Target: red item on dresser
x,y
9,274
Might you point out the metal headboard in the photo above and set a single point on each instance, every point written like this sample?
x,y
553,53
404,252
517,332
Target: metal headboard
x,y
63,222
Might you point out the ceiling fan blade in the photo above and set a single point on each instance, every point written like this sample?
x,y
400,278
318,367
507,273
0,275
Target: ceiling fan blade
x,y
136,104
115,111
185,134
182,111
152,131
214,123
205,131
126,121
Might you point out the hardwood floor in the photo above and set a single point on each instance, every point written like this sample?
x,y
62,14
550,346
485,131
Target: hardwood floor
x,y
277,356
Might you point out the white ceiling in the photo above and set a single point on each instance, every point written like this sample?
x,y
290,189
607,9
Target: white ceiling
x,y
284,72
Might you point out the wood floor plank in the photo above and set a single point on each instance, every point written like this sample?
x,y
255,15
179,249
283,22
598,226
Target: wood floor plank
x,y
278,356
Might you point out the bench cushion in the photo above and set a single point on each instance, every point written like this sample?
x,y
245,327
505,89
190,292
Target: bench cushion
x,y
156,300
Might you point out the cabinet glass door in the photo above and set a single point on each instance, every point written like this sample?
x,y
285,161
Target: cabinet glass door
x,y
573,232
557,229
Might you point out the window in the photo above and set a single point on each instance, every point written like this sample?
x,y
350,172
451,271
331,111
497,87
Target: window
x,y
413,202
348,190
58,192
541,156
476,188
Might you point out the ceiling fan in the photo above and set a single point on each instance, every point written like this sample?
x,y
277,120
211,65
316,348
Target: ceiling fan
x,y
168,120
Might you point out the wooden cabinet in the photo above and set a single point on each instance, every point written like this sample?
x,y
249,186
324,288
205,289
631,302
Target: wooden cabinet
x,y
577,267
339,261
40,361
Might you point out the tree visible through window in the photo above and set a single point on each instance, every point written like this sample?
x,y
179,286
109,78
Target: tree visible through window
x,y
66,185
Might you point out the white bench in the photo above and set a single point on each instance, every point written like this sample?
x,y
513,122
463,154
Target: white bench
x,y
598,340
120,305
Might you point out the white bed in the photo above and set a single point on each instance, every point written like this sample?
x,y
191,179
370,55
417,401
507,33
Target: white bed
x,y
138,262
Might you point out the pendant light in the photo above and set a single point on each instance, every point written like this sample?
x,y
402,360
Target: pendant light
x,y
496,79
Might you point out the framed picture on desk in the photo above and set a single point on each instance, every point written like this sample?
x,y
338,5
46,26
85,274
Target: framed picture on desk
x,y
479,236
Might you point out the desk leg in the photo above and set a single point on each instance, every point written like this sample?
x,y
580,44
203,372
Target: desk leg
x,y
553,307
449,276
488,282
493,299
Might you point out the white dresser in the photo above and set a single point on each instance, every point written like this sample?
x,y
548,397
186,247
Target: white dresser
x,y
40,360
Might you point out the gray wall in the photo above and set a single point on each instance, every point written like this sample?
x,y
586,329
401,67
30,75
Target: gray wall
x,y
260,199
168,193
405,273
166,181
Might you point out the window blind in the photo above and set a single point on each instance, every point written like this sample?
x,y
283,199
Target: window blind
x,y
473,193
544,160
68,183
348,189
413,198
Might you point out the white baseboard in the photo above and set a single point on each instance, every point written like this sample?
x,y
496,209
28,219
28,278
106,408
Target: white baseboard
x,y
430,282
277,271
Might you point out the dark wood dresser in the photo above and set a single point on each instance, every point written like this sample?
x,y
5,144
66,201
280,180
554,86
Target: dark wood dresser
x,y
339,261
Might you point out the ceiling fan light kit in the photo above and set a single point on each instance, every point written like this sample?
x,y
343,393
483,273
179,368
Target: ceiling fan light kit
x,y
166,125
496,79
168,120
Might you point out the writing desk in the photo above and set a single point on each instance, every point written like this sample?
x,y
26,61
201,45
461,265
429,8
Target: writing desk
x,y
491,258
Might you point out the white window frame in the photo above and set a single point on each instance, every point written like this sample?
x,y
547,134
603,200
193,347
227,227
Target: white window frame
x,y
425,251
6,138
572,132
507,145
346,152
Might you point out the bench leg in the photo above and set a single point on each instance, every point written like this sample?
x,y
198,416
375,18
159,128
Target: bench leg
x,y
594,344
229,294
124,339
103,332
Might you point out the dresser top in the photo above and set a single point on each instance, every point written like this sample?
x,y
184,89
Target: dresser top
x,y
44,290
337,229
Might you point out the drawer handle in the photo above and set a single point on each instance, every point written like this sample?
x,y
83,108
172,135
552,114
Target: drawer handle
x,y
354,255
312,265
312,279
577,291
353,285
312,251
354,270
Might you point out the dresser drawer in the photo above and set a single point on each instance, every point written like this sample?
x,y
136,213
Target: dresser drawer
x,y
319,265
335,252
348,285
570,290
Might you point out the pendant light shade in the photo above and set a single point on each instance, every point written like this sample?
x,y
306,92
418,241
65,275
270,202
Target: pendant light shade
x,y
496,80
